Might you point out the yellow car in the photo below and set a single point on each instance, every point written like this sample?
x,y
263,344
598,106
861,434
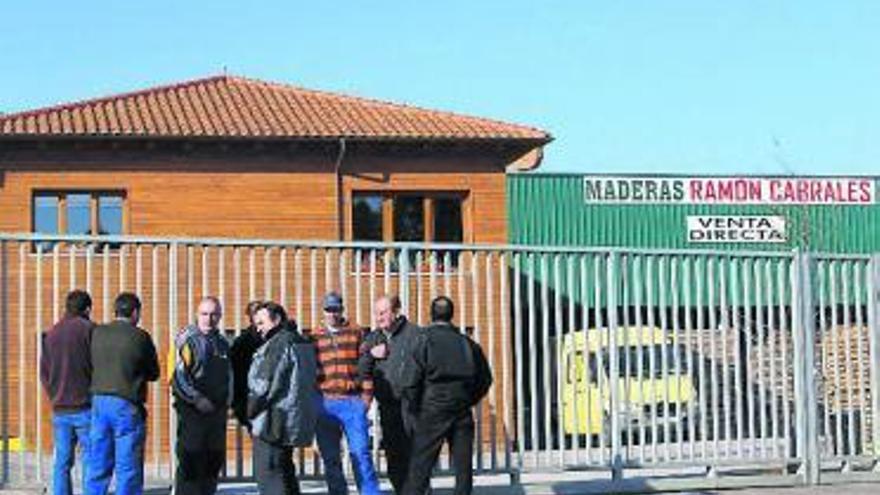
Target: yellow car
x,y
651,393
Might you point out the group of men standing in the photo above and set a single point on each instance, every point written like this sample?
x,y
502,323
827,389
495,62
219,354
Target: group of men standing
x,y
286,387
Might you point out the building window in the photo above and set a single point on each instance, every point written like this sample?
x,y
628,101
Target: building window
x,y
77,213
410,217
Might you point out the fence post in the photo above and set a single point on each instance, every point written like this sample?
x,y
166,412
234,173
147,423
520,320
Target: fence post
x,y
403,286
4,360
804,326
614,365
874,346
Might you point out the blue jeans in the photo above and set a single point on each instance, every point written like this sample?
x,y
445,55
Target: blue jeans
x,y
68,429
117,443
348,414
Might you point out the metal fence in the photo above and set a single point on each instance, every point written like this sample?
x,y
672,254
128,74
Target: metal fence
x,y
621,363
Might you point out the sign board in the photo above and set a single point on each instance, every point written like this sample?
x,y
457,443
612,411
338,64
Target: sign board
x,y
736,229
729,190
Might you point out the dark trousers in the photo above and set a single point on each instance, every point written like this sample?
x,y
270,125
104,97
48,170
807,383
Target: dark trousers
x,y
432,429
201,450
274,470
397,442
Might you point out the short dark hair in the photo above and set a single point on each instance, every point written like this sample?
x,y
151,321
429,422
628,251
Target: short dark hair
x,y
275,310
394,302
78,303
252,307
442,309
125,305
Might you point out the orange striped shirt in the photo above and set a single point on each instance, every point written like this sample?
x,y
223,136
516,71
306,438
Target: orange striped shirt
x,y
338,354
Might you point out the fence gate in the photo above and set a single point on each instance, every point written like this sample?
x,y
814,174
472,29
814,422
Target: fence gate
x,y
635,369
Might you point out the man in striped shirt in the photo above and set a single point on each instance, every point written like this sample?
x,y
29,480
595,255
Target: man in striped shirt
x,y
345,398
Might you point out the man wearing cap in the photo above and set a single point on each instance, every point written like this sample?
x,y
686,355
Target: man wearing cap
x,y
345,397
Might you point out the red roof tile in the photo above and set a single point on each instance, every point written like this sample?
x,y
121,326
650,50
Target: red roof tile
x,y
236,107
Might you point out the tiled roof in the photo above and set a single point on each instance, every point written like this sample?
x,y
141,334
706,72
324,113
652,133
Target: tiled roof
x,y
236,107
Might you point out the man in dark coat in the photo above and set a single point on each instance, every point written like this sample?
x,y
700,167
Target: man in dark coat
x,y
119,389
65,372
387,357
241,355
450,376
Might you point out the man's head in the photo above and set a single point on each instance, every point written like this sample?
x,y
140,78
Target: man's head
x,y
332,305
128,307
442,310
209,314
78,303
251,310
268,316
387,308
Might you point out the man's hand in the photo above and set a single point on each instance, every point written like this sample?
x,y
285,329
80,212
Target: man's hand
x,y
204,406
379,351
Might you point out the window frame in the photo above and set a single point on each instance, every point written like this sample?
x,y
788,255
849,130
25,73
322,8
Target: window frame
x,y
94,210
428,198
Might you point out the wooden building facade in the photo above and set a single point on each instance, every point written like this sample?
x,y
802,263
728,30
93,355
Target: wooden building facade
x,y
230,157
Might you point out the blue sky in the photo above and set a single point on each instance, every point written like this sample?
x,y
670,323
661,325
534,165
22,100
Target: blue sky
x,y
695,87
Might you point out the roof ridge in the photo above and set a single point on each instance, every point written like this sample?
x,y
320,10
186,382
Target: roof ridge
x,y
115,96
376,101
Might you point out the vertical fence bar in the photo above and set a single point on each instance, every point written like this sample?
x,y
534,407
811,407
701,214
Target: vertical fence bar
x,y
359,315
420,290
478,335
677,357
748,327
533,371
71,267
699,264
759,369
689,338
846,327
546,352
490,353
22,351
56,283
835,333
267,271
4,360
38,287
173,251
664,361
611,275
784,289
569,374
558,356
122,267
90,252
519,361
773,330
858,292
585,363
601,339
640,288
503,292
190,282
725,351
652,358
874,346
825,334
738,301
157,330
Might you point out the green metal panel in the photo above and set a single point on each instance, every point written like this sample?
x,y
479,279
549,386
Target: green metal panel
x,y
549,209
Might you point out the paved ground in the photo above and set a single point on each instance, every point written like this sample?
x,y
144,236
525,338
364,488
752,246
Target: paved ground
x,y
560,488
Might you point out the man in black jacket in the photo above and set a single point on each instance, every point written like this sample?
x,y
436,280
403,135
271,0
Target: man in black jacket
x,y
241,355
386,355
201,384
450,376
119,389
